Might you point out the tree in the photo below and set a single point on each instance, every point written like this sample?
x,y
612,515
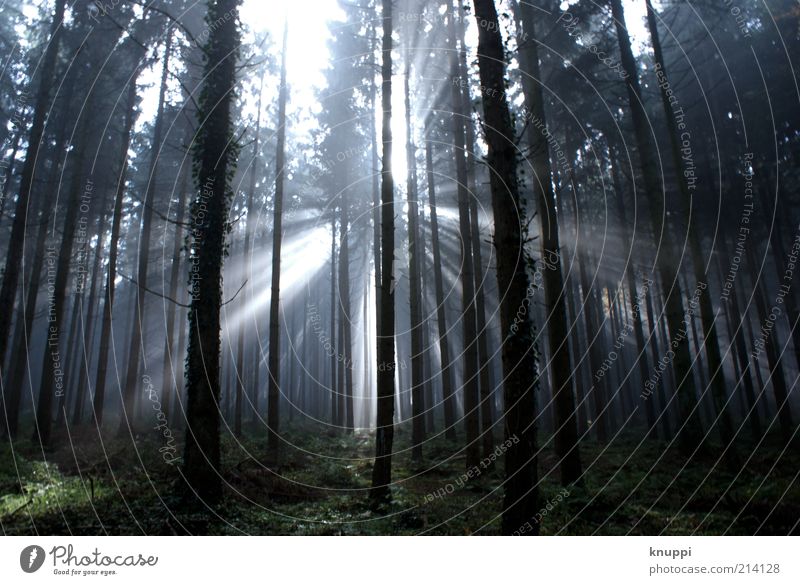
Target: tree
x,y
8,290
566,434
707,315
518,349
273,360
215,155
127,422
469,326
415,288
691,430
384,433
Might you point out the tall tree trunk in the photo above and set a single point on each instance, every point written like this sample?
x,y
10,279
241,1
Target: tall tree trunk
x,y
384,435
168,376
415,289
111,275
16,242
737,340
335,388
53,380
273,360
566,428
470,355
87,341
448,398
591,323
656,355
215,160
483,364
519,338
248,248
16,380
690,431
135,354
346,317
772,347
630,277
707,316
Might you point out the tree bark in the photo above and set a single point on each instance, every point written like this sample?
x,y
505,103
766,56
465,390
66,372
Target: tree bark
x,y
566,428
384,435
469,335
273,359
519,339
215,160
415,290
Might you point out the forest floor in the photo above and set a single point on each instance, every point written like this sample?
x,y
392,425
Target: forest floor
x,y
89,487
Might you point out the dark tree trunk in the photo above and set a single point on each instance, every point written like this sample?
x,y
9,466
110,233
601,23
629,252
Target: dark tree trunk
x,y
241,376
663,418
384,434
636,309
135,357
519,339
690,429
566,428
346,318
273,359
708,318
169,379
215,160
484,369
448,399
16,379
469,335
16,241
415,289
111,275
335,388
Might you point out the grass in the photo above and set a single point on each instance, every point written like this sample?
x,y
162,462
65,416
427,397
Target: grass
x,y
121,487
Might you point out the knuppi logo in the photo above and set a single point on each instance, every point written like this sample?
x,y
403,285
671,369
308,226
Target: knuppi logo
x,y
31,558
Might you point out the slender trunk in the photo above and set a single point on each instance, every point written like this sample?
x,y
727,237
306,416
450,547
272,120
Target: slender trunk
x,y
346,317
58,272
169,374
20,360
470,355
630,277
448,398
129,394
111,275
590,323
335,388
384,435
273,363
484,369
684,168
16,243
768,342
654,352
248,238
691,429
415,289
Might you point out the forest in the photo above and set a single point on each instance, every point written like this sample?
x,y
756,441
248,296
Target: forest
x,y
399,267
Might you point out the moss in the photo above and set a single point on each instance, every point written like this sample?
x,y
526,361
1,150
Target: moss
x,y
320,488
